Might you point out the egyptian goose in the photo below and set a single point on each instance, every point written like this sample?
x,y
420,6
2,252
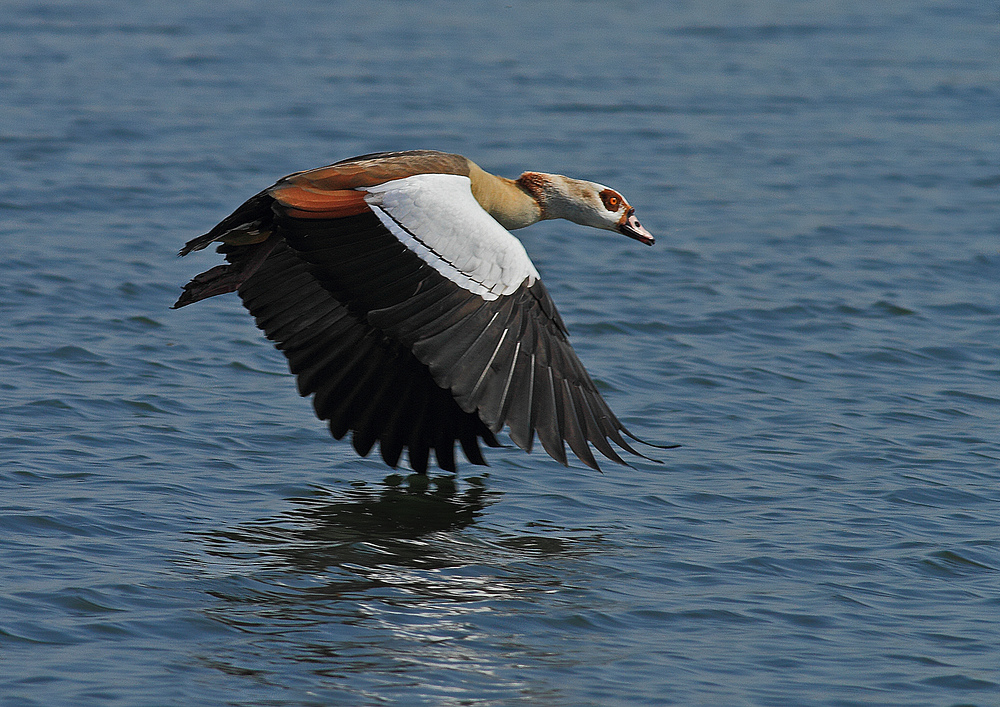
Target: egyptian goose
x,y
405,306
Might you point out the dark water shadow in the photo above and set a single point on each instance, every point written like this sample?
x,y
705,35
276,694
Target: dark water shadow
x,y
361,531
351,588
354,590
404,542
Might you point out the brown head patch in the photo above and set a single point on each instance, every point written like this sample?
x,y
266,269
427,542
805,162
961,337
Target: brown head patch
x,y
612,200
536,184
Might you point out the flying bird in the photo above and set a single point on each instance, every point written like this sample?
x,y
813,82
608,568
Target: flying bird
x,y
408,310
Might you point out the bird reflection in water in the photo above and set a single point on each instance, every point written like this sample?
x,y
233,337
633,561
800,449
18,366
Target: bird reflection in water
x,y
353,536
362,585
406,506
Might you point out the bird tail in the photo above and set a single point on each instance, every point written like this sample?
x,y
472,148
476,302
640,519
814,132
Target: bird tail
x,y
247,237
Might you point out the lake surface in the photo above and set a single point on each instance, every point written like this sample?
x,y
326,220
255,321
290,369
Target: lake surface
x,y
818,326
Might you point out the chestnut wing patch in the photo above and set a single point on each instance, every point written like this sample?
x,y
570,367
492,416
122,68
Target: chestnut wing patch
x,y
311,203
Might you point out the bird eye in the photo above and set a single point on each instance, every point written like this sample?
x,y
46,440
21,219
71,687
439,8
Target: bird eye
x,y
612,201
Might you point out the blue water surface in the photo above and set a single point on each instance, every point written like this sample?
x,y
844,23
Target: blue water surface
x,y
818,326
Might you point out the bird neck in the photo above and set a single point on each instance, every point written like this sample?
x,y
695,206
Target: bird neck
x,y
511,203
560,197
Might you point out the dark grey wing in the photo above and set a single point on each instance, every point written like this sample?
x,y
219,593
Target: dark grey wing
x,y
507,360
398,354
361,381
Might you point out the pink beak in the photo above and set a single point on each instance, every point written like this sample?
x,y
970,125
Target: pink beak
x,y
630,226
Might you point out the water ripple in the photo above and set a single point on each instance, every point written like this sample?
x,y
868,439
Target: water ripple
x,y
817,326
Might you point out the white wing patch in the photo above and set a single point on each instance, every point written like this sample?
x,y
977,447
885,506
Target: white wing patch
x,y
436,216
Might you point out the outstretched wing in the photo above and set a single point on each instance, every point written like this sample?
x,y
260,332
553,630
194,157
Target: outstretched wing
x,y
413,318
361,381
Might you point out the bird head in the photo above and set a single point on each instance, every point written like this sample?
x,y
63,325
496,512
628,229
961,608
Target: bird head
x,y
585,203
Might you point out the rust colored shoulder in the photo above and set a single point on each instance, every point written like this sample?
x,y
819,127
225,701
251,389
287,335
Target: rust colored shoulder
x,y
369,170
330,192
307,202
